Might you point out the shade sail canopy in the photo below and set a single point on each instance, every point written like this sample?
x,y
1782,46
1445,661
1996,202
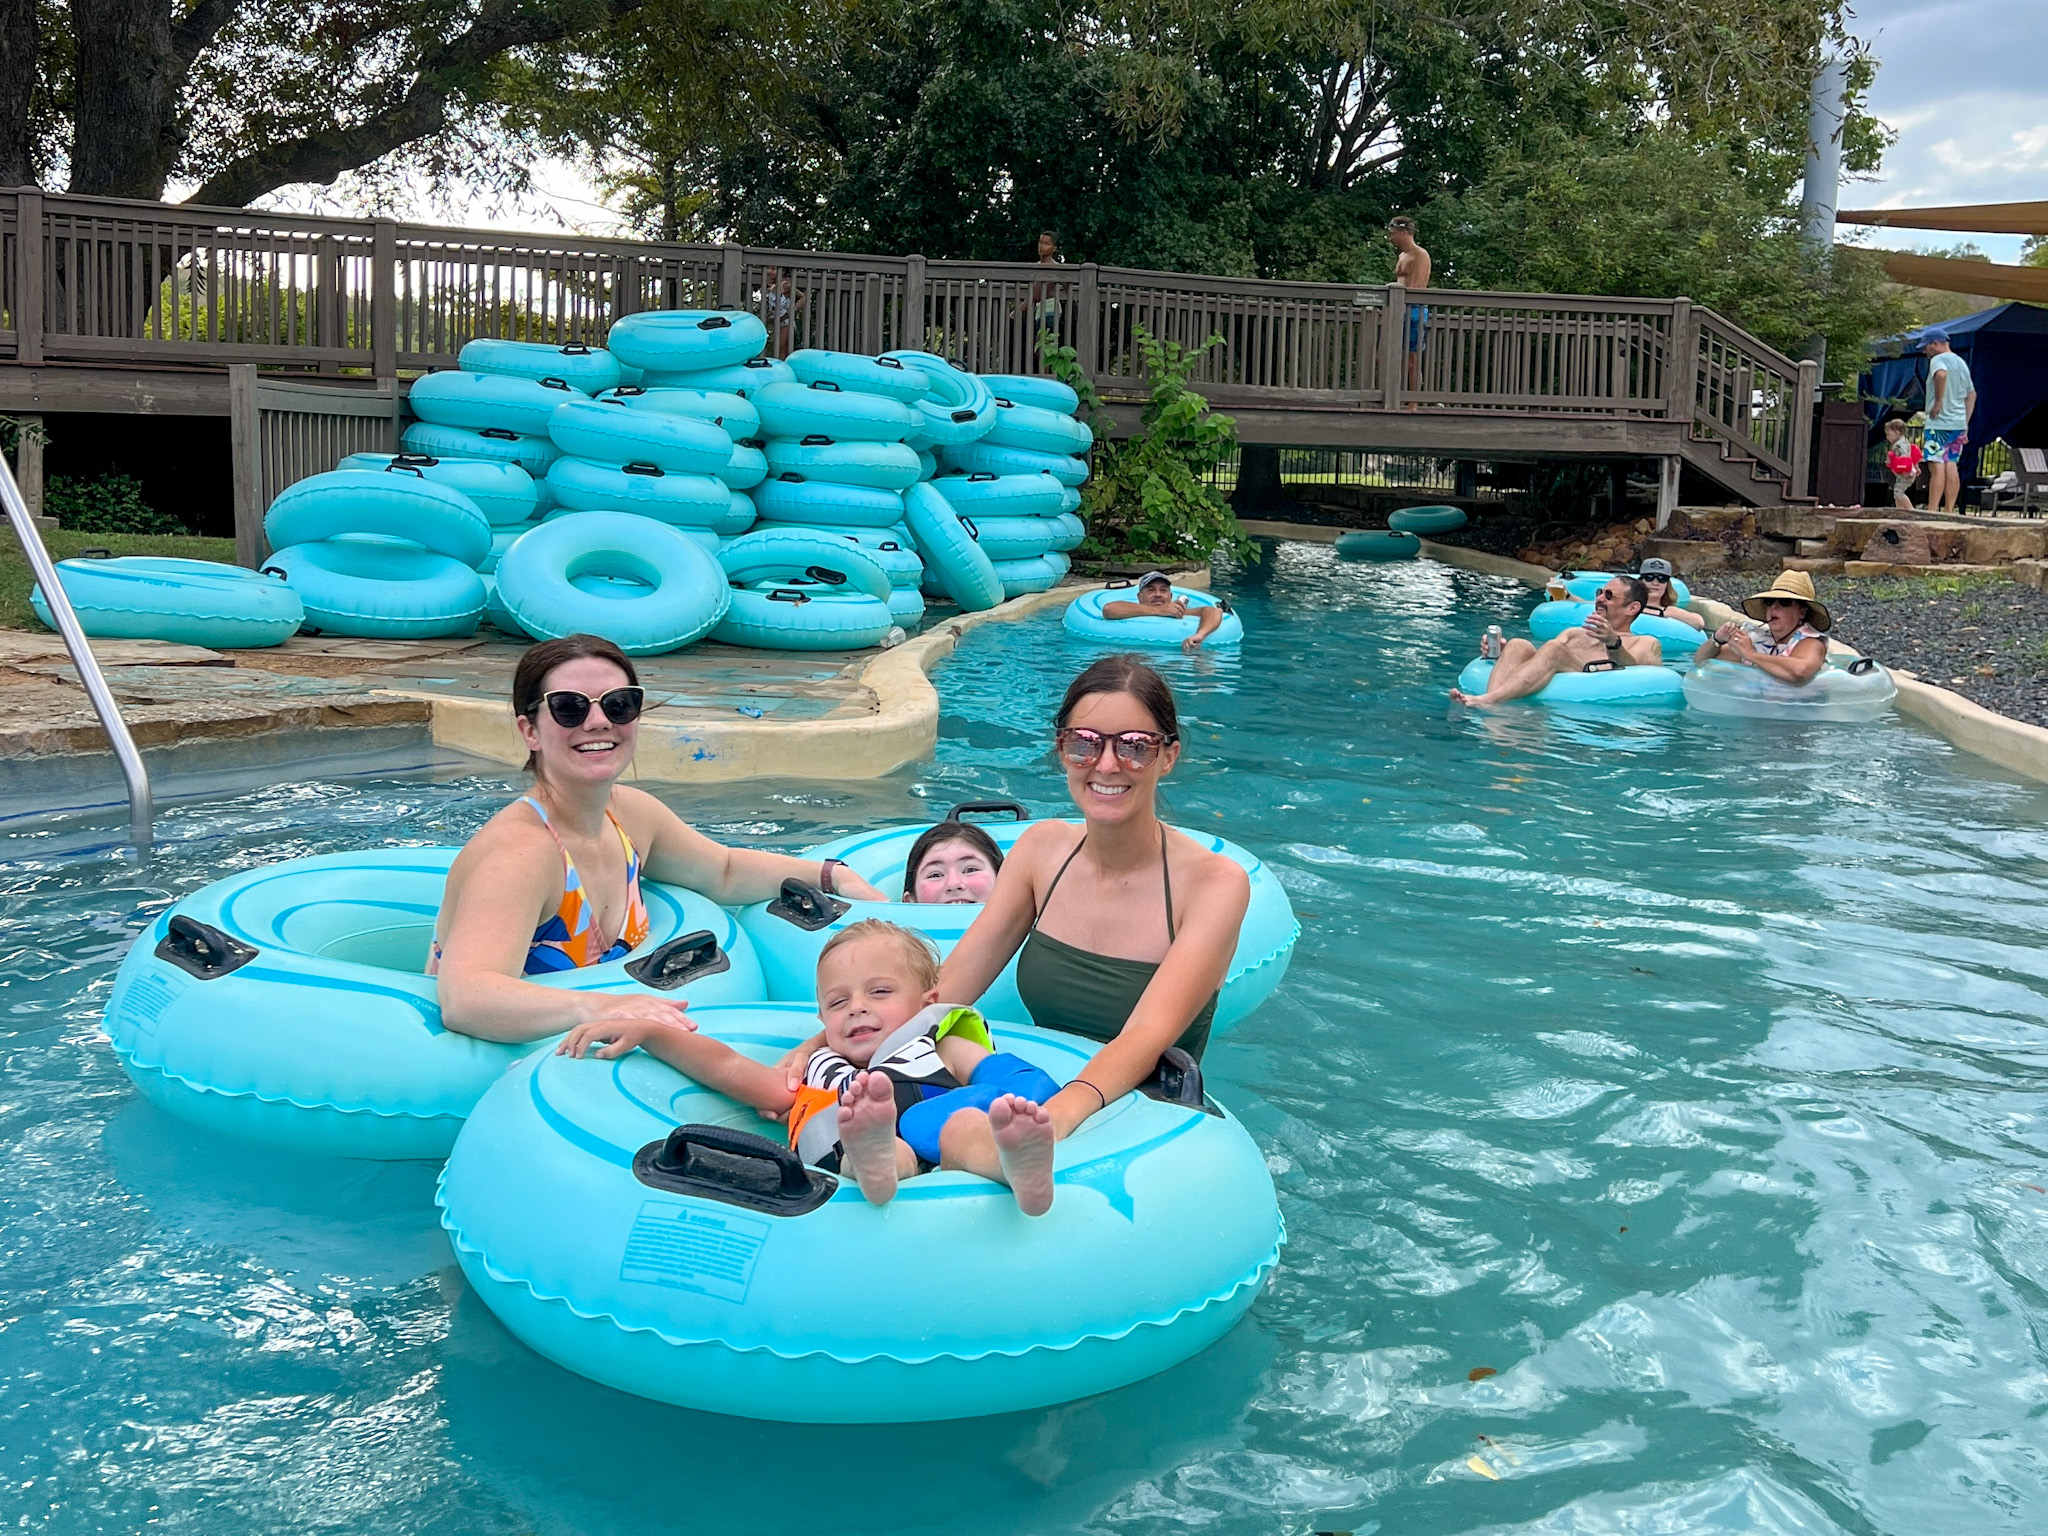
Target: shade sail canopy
x,y
1974,218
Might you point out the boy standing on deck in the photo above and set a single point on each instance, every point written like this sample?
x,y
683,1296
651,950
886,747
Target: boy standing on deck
x,y
1411,270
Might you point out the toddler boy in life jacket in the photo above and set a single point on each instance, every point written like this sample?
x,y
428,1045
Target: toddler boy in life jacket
x,y
1902,458
881,1093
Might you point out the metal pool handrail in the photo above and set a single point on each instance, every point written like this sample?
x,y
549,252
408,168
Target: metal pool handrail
x,y
141,808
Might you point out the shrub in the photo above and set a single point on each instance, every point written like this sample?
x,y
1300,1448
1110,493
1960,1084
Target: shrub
x,y
110,503
1146,499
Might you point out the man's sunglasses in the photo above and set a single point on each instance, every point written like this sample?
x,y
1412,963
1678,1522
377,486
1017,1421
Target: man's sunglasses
x,y
1134,749
570,709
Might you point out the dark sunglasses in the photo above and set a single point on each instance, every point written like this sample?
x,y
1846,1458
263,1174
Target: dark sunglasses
x,y
1134,749
570,709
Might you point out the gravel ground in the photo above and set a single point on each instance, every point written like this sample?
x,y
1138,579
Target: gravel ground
x,y
1985,639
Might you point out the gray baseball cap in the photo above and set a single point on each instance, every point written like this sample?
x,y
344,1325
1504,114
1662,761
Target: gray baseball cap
x,y
1655,567
1149,577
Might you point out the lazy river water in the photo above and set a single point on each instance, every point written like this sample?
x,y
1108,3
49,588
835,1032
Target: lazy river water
x,y
1654,1105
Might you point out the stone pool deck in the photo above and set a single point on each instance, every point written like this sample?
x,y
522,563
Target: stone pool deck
x,y
715,712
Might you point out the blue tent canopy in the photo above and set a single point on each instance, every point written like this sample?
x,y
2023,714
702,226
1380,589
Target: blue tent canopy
x,y
2007,350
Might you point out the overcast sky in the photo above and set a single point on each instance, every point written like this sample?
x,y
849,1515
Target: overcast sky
x,y
1964,83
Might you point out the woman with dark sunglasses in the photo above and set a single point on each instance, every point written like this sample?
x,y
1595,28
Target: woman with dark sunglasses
x,y
1123,928
552,882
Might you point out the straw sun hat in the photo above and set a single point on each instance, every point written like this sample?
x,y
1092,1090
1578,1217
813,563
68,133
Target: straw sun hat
x,y
1796,586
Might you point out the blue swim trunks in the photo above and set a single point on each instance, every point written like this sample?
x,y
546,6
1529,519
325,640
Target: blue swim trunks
x,y
997,1075
1418,325
1942,447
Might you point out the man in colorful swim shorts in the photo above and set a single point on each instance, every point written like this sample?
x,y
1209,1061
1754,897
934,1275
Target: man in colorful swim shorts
x,y
1603,644
1951,397
899,1084
1156,600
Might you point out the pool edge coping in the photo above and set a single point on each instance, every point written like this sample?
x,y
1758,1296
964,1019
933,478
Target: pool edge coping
x,y
903,727
1984,732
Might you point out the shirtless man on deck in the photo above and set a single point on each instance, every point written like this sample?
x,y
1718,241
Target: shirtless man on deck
x,y
1603,644
1411,270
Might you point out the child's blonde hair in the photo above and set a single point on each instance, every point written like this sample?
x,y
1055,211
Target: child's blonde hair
x,y
919,955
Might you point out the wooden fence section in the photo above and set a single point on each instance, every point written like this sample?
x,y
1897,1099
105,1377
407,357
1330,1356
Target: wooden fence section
x,y
283,431
111,281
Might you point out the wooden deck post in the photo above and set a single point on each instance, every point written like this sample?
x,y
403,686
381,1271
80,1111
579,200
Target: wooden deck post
x,y
910,326
1681,363
1088,320
1393,347
1667,489
383,338
30,248
28,462
1803,412
246,451
732,278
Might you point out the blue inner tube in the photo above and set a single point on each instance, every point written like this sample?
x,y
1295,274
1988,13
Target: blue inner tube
x,y
889,548
565,1207
1377,544
373,590
1678,641
588,369
822,503
789,951
743,379
1632,687
1084,618
191,602
1834,694
1037,574
1035,390
886,376
667,588
881,466
311,1024
399,503
957,406
802,554
1070,532
731,413
1038,430
486,400
696,501
804,616
952,557
985,495
664,341
1427,520
506,494
1015,538
608,432
531,453
987,458
747,468
906,606
740,516
1586,585
824,410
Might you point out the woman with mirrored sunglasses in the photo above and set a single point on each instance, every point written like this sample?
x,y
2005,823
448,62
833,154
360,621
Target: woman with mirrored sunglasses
x,y
552,882
1123,928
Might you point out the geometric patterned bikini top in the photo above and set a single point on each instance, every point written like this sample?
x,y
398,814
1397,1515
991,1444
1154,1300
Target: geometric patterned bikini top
x,y
570,939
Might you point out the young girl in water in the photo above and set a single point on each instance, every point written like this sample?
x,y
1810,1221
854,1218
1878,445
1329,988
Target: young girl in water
x,y
951,863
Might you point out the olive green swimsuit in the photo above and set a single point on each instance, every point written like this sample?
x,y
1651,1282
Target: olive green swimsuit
x,y
1093,995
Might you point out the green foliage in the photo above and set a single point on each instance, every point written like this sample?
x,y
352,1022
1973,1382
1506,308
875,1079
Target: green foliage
x,y
1147,498
110,503
2035,252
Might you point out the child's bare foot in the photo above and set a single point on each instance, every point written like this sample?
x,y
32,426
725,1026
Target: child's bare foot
x,y
1024,1142
867,1136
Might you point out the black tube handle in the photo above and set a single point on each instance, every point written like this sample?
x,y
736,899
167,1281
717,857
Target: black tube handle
x,y
714,323
759,362
968,808
825,575
984,474
413,460
575,349
1008,405
1862,666
396,468
807,906
963,414
791,476
95,553
889,362
551,382
681,960
646,469
967,522
787,595
827,384
628,389
816,440
503,434
1177,1079
202,950
735,1167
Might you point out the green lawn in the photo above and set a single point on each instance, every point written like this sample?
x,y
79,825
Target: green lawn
x,y
15,579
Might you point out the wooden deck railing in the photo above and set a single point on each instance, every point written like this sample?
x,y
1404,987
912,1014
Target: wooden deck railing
x,y
105,280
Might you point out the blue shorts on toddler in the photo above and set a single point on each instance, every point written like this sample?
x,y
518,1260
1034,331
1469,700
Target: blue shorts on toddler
x,y
997,1075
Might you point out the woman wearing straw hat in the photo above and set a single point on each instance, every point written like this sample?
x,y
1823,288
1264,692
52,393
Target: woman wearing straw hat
x,y
1790,643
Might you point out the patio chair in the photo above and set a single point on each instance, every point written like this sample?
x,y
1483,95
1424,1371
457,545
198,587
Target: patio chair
x,y
2030,465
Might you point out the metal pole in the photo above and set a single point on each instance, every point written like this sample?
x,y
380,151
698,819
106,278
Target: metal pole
x,y
140,806
1827,110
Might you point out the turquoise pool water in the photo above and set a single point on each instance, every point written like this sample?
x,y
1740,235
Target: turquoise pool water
x,y
1683,1074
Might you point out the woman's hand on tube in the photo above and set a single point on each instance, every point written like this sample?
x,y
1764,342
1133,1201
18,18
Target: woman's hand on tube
x,y
620,1007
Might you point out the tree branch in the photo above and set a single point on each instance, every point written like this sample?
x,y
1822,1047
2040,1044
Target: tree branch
x,y
192,36
422,112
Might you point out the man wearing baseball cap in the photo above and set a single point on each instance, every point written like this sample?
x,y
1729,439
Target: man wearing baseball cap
x,y
1951,397
1655,576
1156,600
